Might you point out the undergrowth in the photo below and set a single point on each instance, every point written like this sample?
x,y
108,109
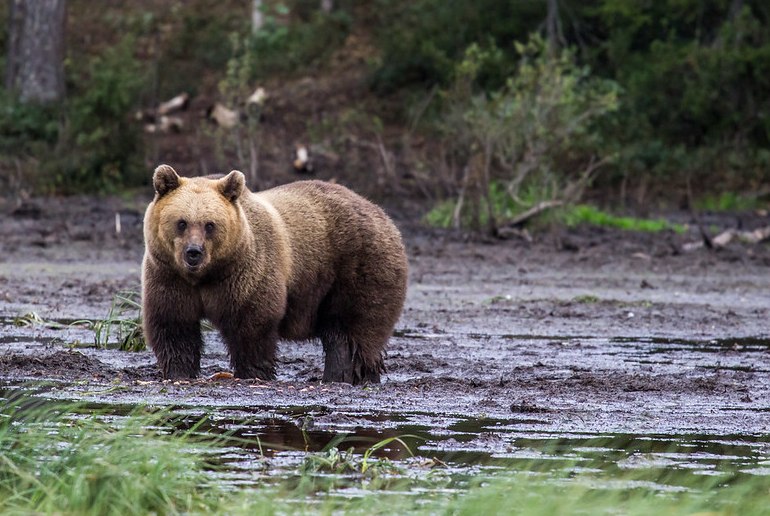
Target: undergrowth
x,y
442,215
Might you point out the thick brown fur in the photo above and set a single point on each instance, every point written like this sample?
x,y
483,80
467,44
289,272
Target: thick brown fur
x,y
305,260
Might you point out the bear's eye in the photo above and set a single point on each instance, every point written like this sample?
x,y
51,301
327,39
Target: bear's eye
x,y
181,225
209,227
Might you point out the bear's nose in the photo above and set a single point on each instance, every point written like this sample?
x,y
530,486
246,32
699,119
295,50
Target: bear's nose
x,y
193,255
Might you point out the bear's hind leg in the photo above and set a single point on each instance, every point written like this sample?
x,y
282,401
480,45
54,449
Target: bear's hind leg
x,y
352,357
338,365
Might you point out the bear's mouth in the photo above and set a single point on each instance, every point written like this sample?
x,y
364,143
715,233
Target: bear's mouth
x,y
193,268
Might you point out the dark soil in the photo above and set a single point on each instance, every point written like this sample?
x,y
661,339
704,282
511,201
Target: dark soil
x,y
585,330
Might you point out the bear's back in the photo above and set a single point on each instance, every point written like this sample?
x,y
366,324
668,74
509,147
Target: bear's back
x,y
337,241
326,219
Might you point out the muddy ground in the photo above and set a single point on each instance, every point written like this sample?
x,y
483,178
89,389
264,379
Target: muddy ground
x,y
581,331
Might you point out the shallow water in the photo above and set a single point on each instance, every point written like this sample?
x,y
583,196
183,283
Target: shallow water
x,y
660,413
439,453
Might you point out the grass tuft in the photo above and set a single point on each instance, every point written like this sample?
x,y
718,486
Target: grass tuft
x,y
585,214
63,459
123,321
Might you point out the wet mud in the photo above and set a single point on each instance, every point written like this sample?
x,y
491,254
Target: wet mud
x,y
588,343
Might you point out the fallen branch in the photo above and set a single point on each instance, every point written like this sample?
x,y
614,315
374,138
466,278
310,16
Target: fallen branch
x,y
158,119
724,238
535,210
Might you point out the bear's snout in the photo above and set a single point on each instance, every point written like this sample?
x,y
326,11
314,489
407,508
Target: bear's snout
x,y
193,255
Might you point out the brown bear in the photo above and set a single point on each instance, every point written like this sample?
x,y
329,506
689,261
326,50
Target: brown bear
x,y
305,260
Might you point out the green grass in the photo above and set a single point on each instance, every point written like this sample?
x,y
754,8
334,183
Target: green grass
x,y
585,214
526,495
123,323
727,201
121,328
503,208
441,215
58,458
588,299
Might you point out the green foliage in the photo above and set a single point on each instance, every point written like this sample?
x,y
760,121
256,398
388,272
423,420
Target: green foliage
x,y
123,321
56,459
588,299
122,326
21,125
523,494
537,135
243,139
697,81
199,45
30,319
422,40
59,458
443,214
89,143
727,201
291,48
585,214
99,147
695,74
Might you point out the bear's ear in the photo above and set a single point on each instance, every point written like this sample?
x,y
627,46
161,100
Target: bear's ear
x,y
164,180
232,185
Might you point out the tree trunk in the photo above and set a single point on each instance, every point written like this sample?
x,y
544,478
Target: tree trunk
x,y
553,28
35,61
257,18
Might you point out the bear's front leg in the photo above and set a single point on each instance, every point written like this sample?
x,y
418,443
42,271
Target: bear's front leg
x,y
177,346
252,346
172,329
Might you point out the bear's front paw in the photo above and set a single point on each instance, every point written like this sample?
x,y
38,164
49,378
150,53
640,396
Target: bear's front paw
x,y
178,373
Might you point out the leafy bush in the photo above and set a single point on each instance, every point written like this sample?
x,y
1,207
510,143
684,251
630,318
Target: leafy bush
x,y
21,124
696,76
536,135
421,41
99,148
281,47
90,142
200,45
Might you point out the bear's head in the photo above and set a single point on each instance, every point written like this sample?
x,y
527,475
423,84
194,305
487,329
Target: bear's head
x,y
194,223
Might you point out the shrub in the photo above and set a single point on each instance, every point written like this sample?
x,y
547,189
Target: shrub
x,y
697,82
99,148
422,40
90,142
537,134
286,47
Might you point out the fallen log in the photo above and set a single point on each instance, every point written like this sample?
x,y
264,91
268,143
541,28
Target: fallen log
x,y
724,238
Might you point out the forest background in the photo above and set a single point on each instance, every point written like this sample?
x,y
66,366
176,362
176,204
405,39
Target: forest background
x,y
480,112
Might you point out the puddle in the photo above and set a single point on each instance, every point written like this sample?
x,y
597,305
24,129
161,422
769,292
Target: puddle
x,y
738,344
